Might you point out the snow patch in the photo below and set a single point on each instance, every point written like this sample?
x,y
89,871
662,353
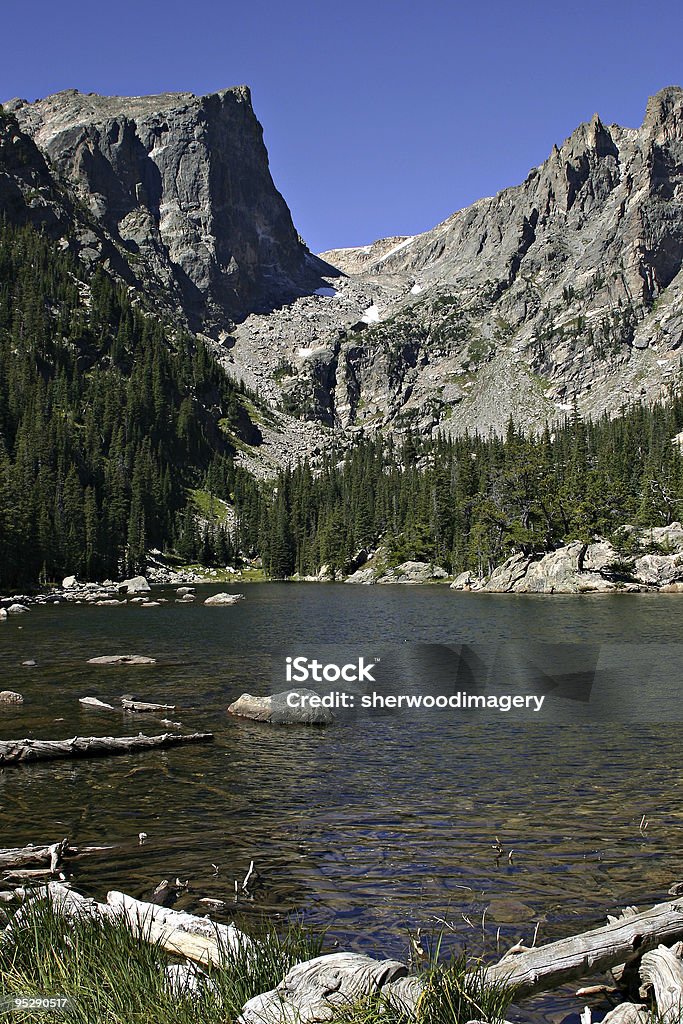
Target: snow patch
x,y
563,406
317,350
416,289
401,245
371,315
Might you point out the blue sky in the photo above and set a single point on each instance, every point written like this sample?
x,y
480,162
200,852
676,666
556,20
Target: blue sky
x,y
380,117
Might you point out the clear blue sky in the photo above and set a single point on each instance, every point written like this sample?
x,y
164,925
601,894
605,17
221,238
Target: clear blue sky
x,y
381,117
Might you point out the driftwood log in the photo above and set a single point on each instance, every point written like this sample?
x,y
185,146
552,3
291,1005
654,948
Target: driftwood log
x,y
313,990
24,751
662,969
628,1013
32,856
129,704
197,938
591,952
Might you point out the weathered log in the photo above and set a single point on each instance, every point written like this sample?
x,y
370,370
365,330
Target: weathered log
x,y
26,856
312,991
23,751
628,1013
662,969
94,702
197,938
129,704
591,952
546,967
23,875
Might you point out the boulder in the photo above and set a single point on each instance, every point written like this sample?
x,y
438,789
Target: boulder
x,y
362,576
68,582
413,573
122,659
10,697
17,609
464,581
135,585
219,599
184,591
659,570
277,710
3,614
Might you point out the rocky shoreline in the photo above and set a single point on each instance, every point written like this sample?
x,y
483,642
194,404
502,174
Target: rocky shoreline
x,y
654,564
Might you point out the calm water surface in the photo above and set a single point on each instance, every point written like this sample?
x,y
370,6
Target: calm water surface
x,y
377,825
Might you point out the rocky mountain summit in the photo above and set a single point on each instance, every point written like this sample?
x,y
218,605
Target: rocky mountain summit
x,y
179,186
566,289
563,291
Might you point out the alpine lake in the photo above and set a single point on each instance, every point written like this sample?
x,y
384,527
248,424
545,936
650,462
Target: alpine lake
x,y
488,825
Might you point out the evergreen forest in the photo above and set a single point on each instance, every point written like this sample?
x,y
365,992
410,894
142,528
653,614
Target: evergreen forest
x,y
111,420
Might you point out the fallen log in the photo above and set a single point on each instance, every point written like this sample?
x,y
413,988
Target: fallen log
x,y
197,938
94,702
129,704
311,991
662,969
23,751
590,952
22,876
545,967
628,1013
26,856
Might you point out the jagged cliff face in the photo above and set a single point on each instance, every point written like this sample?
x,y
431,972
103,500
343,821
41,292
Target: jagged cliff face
x,y
181,186
567,288
564,290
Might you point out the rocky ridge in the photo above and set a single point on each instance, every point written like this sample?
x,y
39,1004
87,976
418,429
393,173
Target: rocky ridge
x,y
566,289
177,187
563,291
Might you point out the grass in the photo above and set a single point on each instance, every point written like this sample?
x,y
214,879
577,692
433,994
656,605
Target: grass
x,y
455,992
213,509
115,977
112,976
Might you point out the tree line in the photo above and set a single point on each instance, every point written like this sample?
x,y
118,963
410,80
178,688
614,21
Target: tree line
x,y
469,502
110,421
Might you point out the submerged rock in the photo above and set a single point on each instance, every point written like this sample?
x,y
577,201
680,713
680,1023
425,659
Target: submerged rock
x,y
290,707
10,697
122,659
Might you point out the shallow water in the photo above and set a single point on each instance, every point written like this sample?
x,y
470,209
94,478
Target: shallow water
x,y
381,823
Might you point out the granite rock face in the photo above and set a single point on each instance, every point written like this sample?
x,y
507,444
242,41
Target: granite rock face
x,y
563,291
566,289
578,568
182,187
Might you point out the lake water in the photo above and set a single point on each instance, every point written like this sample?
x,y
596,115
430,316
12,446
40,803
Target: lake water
x,y
378,824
